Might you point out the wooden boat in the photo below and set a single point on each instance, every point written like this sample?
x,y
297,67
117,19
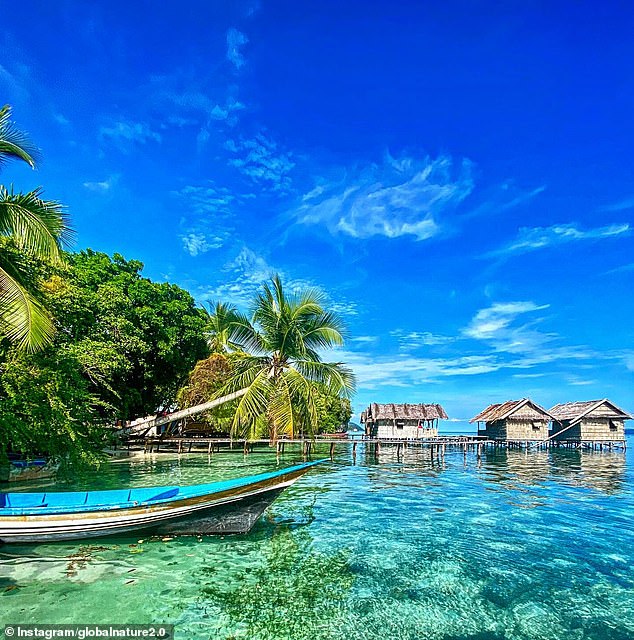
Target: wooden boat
x,y
229,506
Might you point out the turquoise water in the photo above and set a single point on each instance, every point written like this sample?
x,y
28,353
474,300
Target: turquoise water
x,y
519,546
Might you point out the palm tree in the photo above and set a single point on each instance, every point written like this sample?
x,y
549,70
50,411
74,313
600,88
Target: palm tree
x,y
222,323
280,366
35,227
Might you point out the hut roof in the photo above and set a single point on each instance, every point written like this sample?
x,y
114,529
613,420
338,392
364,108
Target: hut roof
x,y
405,412
576,411
503,410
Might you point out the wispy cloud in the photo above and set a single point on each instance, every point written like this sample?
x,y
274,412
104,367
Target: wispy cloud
x,y
622,205
491,322
402,196
262,160
377,371
102,186
15,82
243,279
249,270
501,198
207,216
235,41
125,133
624,268
533,238
198,243
414,340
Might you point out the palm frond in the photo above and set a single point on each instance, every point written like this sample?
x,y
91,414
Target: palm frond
x,y
38,226
280,409
23,320
335,376
246,335
253,403
303,395
13,143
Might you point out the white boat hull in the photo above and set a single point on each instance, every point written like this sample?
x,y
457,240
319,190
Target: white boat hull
x,y
253,498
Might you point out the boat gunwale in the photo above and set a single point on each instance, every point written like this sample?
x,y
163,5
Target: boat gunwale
x,y
187,492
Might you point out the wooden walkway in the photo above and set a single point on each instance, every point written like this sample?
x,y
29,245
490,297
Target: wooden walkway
x,y
188,444
437,445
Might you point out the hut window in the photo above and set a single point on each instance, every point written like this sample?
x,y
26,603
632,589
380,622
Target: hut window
x,y
537,425
613,425
400,425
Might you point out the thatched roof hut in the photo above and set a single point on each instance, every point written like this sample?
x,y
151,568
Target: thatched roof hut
x,y
402,420
520,420
589,421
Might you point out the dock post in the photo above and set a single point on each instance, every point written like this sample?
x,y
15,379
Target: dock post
x,y
332,450
209,449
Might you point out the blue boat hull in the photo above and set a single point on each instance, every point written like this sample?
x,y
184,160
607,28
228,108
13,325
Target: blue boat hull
x,y
216,508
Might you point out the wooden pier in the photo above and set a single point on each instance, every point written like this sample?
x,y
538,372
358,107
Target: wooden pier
x,y
185,444
437,445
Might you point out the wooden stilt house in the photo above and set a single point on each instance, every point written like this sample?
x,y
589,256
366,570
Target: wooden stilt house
x,y
396,421
591,421
514,420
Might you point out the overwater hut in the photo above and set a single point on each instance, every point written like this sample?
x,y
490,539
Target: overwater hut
x,y
387,421
514,420
591,421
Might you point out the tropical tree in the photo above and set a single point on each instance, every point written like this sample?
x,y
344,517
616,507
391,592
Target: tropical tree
x,y
36,227
280,365
222,324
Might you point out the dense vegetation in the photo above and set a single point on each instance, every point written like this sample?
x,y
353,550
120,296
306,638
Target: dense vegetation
x,y
123,346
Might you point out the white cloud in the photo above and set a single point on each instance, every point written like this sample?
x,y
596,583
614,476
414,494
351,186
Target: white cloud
x,y
248,271
262,161
402,196
197,243
418,339
236,40
531,239
492,322
61,119
125,133
207,216
246,274
101,187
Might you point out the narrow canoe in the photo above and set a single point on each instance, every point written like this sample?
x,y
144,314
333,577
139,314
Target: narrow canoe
x,y
229,506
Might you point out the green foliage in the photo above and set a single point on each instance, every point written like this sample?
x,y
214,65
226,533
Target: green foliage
x,y
223,321
46,407
123,347
136,339
334,412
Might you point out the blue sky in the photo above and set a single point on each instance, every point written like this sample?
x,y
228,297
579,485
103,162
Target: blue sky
x,y
455,176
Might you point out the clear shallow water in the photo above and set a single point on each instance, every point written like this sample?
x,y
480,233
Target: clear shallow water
x,y
522,546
